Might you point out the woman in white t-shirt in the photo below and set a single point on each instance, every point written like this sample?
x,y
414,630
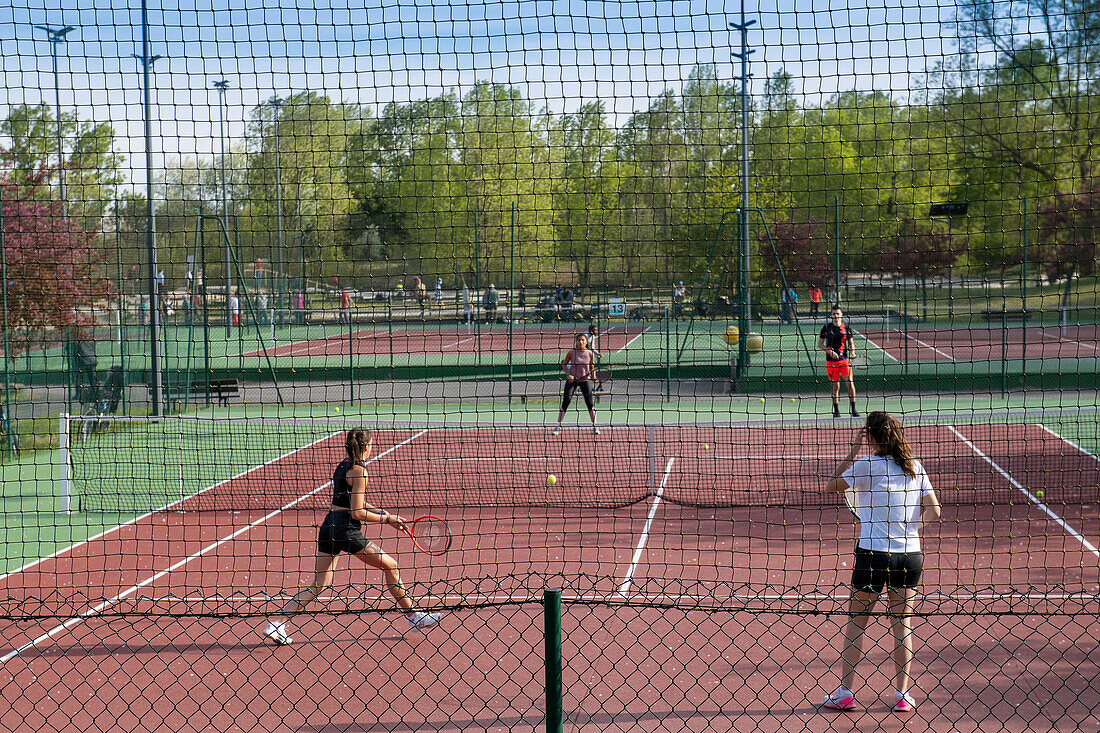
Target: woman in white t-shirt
x,y
892,495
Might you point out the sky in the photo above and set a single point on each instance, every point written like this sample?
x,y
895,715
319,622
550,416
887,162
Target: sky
x,y
560,54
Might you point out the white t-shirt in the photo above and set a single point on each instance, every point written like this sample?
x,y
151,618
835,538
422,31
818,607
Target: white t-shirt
x,y
888,502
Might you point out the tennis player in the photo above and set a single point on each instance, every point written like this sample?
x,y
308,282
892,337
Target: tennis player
x,y
342,532
580,371
892,495
836,341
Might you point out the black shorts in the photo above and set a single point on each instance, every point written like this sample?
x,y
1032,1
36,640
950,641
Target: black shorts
x,y
340,533
874,570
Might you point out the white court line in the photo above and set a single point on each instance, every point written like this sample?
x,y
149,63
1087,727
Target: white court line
x,y
628,343
1064,340
1069,442
884,351
929,346
1031,497
456,343
95,610
645,531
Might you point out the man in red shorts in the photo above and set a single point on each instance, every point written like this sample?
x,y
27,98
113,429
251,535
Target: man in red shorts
x,y
835,341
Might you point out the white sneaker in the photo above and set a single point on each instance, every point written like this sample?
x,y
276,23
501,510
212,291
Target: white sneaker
x,y
422,619
556,430
596,429
277,633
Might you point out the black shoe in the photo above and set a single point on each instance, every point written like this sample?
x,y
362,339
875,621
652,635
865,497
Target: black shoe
x,y
855,412
836,412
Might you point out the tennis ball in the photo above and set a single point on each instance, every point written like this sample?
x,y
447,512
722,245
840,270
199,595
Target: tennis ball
x,y
337,409
706,447
551,479
1039,493
761,399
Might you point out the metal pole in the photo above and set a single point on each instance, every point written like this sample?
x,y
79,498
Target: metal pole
x,y
552,620
9,423
121,301
276,102
836,238
1023,272
57,36
221,87
745,315
511,297
156,395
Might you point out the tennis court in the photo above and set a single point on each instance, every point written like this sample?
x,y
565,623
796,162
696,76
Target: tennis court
x,y
705,545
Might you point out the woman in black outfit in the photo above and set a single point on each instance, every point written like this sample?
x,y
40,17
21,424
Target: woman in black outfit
x,y
342,532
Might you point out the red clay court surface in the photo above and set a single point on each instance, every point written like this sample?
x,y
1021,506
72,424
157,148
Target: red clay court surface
x,y
462,340
626,667
987,343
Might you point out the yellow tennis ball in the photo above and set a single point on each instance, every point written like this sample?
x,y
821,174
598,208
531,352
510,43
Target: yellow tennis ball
x,y
1039,493
337,409
706,447
761,399
551,479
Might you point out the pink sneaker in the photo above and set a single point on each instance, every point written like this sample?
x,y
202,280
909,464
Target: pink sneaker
x,y
904,702
842,699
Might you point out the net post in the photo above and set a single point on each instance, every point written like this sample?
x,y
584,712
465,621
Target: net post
x,y
551,604
66,464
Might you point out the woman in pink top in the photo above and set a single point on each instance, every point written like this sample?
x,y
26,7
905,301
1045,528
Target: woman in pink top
x,y
580,369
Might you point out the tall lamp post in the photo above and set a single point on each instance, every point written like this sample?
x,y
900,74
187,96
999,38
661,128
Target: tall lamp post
x,y
221,86
156,395
276,104
57,36
744,319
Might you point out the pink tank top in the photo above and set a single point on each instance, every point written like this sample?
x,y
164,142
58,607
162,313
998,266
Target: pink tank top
x,y
580,365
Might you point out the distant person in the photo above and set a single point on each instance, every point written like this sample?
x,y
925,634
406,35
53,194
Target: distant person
x,y
235,309
679,293
467,307
421,294
836,341
593,340
492,298
400,290
815,300
161,279
580,372
522,299
892,496
345,306
437,296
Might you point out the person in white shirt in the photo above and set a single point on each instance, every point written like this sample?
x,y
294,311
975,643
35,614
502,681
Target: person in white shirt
x,y
891,494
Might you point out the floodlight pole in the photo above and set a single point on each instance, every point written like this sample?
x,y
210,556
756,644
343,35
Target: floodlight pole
x,y
155,392
221,86
276,103
57,36
744,252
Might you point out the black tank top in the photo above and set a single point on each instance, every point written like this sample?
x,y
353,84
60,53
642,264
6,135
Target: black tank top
x,y
341,489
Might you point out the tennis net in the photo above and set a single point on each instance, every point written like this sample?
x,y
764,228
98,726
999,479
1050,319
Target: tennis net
x,y
188,463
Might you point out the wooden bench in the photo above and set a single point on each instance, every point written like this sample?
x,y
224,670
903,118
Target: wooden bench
x,y
221,389
996,316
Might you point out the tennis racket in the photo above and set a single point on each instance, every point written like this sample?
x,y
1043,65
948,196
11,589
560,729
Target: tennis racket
x,y
429,534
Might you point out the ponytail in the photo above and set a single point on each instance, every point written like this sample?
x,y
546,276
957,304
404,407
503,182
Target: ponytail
x,y
888,433
356,444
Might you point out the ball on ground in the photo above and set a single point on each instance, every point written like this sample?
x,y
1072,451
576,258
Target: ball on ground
x,y
706,446
761,399
551,479
337,409
1039,493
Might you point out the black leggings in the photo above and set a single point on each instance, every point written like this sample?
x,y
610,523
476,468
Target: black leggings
x,y
585,386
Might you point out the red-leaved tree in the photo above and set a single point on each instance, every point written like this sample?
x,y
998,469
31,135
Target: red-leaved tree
x,y
804,248
919,251
54,281
1068,230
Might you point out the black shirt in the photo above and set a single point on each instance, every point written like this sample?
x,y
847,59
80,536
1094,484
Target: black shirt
x,y
836,338
341,489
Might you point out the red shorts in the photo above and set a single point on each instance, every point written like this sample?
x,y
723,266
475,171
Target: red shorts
x,y
838,370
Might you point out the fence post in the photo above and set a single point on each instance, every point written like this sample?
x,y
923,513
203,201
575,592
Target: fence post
x,y
552,617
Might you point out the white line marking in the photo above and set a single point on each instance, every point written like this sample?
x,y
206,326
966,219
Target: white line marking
x,y
1064,340
628,343
884,351
94,611
456,343
930,346
1069,442
625,585
1031,497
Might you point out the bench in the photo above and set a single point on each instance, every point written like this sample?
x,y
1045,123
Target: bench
x,y
996,316
221,389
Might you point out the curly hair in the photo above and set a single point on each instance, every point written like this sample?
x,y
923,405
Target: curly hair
x,y
890,437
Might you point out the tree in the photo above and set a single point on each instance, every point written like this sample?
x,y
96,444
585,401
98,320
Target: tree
x,y
919,250
1068,230
804,248
54,277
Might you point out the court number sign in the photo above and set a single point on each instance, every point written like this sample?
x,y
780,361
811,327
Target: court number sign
x,y
616,307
